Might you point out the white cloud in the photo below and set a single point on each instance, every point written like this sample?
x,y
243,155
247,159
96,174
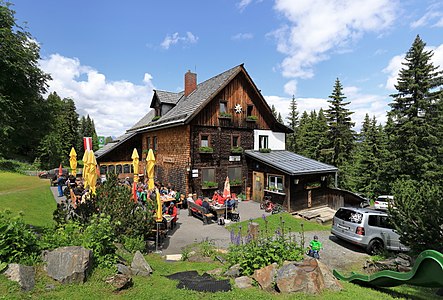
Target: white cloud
x,y
395,64
317,27
115,106
243,36
175,38
291,87
432,17
243,4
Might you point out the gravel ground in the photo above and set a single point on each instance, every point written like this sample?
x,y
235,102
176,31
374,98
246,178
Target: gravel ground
x,y
338,254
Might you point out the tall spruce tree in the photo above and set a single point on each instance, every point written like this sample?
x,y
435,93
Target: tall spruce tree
x,y
415,114
293,124
341,135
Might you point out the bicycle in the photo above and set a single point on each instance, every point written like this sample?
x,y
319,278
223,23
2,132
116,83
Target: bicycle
x,y
277,208
266,202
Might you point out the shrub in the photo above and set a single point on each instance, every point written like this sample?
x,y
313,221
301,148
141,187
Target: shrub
x,y
263,251
14,166
99,237
133,244
68,234
128,219
18,243
417,214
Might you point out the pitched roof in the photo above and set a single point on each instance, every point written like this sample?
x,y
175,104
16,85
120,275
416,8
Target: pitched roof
x,y
109,146
187,107
291,163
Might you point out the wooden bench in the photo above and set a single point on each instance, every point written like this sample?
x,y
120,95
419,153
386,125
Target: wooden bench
x,y
199,212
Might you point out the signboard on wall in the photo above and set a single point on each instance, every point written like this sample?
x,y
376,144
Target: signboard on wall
x,y
168,159
195,173
234,158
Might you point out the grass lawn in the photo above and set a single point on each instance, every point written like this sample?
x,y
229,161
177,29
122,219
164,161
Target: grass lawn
x,y
29,195
157,286
33,197
276,221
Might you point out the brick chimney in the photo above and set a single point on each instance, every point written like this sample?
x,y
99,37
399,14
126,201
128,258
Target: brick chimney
x,y
190,82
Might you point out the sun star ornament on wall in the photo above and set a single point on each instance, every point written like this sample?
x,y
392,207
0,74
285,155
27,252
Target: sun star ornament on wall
x,y
237,109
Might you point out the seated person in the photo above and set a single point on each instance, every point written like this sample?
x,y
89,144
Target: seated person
x,y
230,202
206,205
172,211
217,198
199,201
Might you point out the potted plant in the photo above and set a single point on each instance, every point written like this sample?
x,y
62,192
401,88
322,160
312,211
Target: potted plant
x,y
237,149
251,118
206,150
155,118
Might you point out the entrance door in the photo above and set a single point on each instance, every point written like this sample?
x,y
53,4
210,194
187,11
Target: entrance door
x,y
258,180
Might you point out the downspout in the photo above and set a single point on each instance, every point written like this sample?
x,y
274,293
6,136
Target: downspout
x,y
336,179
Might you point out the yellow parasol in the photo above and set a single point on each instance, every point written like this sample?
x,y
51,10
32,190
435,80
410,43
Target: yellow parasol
x,y
150,170
92,171
159,211
73,161
85,169
135,160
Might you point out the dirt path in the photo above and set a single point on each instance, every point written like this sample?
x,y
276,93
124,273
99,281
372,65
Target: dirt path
x,y
338,254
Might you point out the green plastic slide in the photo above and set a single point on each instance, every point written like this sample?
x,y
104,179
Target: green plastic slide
x,y
427,272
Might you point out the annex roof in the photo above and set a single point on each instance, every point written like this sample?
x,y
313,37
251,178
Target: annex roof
x,y
291,163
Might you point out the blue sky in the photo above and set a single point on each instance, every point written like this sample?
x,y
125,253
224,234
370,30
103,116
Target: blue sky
x,y
109,55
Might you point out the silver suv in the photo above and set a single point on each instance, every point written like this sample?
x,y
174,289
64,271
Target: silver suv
x,y
367,228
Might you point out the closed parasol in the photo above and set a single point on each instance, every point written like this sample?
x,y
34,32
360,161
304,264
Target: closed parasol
x,y
92,172
85,168
73,161
150,169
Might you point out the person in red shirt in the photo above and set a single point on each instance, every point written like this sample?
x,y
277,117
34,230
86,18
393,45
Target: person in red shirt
x,y
172,211
199,201
217,198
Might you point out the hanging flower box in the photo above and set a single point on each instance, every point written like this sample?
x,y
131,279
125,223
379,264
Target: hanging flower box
x,y
224,115
265,150
209,185
237,150
235,182
251,119
206,150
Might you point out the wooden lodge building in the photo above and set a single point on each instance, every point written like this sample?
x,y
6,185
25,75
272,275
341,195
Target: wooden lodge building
x,y
217,128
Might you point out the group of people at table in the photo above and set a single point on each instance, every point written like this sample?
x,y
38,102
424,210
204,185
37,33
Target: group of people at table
x,y
173,199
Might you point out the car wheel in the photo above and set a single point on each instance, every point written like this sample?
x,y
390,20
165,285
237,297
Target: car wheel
x,y
374,247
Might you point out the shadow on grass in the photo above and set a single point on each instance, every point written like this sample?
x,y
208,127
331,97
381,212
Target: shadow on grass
x,y
405,291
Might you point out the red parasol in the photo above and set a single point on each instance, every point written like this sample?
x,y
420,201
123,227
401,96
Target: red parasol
x,y
227,188
60,170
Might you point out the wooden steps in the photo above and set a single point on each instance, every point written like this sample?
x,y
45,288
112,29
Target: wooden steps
x,y
322,214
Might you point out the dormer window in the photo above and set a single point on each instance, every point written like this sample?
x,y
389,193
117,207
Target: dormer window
x,y
158,111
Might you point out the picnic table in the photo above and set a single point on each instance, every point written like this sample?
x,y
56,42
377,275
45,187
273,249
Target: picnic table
x,y
219,210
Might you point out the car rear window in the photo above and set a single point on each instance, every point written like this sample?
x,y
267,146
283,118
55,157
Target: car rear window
x,y
349,215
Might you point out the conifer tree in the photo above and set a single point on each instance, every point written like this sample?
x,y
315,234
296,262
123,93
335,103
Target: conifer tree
x,y
415,116
293,124
340,125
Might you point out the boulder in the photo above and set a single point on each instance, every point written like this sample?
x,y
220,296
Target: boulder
x,y
233,271
265,277
309,276
123,269
328,278
243,282
215,272
119,281
68,264
140,266
24,275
